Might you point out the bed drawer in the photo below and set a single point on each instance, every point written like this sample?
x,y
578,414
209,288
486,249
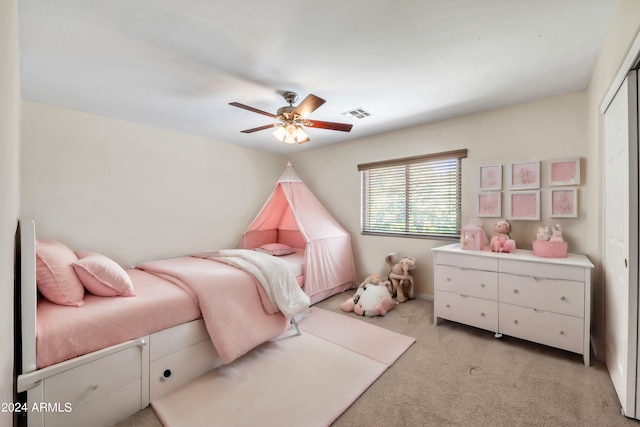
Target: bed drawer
x,y
95,379
475,283
110,408
178,368
556,330
472,311
170,340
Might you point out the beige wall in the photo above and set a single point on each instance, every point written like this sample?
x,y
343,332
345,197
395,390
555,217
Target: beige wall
x,y
553,128
9,191
133,192
623,30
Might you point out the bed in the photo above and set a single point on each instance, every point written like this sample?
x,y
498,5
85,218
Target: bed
x,y
110,356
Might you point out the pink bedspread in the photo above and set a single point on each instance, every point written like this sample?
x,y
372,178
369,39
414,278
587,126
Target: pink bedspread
x,y
65,332
236,316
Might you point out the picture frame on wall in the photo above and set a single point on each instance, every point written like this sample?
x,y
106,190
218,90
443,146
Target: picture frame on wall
x,y
489,204
524,205
524,175
563,202
564,172
491,177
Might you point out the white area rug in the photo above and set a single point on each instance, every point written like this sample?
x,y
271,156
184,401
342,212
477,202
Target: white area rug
x,y
306,380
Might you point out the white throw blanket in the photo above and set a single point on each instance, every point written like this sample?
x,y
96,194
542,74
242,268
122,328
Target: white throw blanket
x,y
274,275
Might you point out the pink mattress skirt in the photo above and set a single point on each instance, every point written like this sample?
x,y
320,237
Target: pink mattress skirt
x,y
66,332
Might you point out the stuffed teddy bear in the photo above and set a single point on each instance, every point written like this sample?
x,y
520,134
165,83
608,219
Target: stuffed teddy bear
x,y
500,240
373,300
401,281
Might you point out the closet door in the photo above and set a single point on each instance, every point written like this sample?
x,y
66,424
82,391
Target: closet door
x,y
621,243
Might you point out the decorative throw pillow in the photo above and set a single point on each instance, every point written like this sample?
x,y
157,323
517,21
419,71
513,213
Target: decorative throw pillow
x,y
276,249
55,276
102,276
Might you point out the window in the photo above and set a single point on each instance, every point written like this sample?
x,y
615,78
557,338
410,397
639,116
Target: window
x,y
414,196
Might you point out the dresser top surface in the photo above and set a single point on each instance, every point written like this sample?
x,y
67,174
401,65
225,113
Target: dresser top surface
x,y
519,255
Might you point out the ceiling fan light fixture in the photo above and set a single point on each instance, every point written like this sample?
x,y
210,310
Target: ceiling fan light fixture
x,y
291,134
280,133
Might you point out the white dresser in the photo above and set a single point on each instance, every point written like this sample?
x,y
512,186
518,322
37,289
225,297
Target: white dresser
x,y
544,300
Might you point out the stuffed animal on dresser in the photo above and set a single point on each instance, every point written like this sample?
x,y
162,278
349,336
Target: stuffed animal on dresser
x,y
500,240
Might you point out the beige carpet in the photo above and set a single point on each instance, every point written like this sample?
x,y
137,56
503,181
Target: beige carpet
x,y
292,381
456,375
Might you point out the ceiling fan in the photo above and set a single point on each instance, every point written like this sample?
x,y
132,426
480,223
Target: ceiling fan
x,y
289,129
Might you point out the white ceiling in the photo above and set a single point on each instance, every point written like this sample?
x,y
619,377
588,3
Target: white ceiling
x,y
177,64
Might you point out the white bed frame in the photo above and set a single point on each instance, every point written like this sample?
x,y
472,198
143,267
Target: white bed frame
x,y
106,386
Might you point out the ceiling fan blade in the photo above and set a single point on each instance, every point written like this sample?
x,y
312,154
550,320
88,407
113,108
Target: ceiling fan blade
x,y
308,105
344,127
255,110
272,125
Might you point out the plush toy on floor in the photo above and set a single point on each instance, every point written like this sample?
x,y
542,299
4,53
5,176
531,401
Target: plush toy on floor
x,y
400,278
500,241
373,278
373,300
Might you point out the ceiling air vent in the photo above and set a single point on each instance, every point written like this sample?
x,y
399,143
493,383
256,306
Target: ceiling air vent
x,y
356,114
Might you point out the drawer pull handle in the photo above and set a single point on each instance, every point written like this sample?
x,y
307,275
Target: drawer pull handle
x,y
482,285
515,291
94,386
563,298
448,279
561,332
482,314
448,306
166,373
515,321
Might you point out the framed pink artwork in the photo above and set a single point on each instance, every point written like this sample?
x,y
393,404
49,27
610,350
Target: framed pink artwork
x,y
524,175
524,205
564,172
491,177
563,202
490,204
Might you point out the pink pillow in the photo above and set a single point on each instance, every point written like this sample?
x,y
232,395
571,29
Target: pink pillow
x,y
276,249
56,279
102,276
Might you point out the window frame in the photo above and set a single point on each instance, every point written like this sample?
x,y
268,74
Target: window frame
x,y
407,163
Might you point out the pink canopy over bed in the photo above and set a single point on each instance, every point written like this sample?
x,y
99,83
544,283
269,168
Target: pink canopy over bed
x,y
294,216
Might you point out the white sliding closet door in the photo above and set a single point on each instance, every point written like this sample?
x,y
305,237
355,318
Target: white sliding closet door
x,y
621,243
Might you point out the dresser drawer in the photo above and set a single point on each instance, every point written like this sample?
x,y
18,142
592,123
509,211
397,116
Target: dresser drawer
x,y
475,283
176,369
477,312
476,261
556,330
94,379
559,296
540,269
173,339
